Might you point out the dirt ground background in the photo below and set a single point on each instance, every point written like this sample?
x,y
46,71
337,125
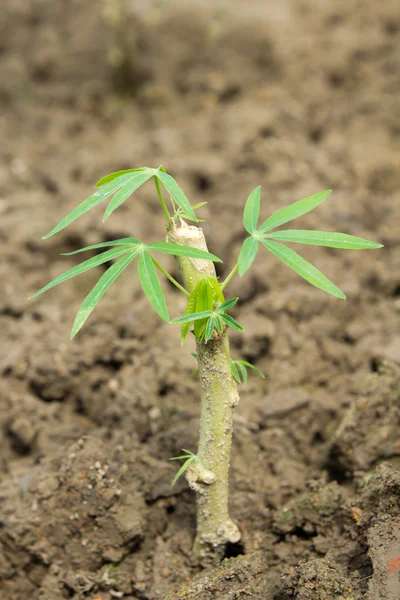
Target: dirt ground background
x,y
297,96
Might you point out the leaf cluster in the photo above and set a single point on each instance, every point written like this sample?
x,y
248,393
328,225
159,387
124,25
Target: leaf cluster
x,y
119,186
188,457
271,240
206,309
239,370
125,250
213,319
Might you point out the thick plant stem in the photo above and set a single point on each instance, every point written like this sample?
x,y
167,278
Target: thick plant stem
x,y
193,270
209,475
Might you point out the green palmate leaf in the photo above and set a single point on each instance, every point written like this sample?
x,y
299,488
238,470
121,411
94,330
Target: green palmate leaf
x,y
133,183
252,211
100,195
247,254
129,241
209,328
84,266
324,238
177,194
230,321
178,250
302,267
205,314
117,174
203,297
99,290
227,305
293,211
151,285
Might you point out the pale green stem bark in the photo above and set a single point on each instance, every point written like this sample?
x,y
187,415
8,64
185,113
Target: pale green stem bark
x,y
209,475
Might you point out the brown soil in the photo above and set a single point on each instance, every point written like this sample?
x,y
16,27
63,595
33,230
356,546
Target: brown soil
x,y
296,96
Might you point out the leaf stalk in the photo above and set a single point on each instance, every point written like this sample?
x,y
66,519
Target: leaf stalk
x,y
162,202
170,278
229,277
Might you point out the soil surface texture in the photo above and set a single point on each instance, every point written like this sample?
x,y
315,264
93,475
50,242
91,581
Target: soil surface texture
x,y
296,96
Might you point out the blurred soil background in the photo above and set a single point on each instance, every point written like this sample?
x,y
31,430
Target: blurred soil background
x,y
297,96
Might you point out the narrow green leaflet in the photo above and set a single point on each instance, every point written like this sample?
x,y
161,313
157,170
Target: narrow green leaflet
x,y
227,305
129,241
250,366
252,211
302,267
230,321
186,455
219,296
219,326
205,314
204,297
247,254
243,371
84,266
239,370
135,181
98,196
190,458
209,328
151,285
179,457
178,250
204,301
208,319
235,371
199,205
190,308
293,211
214,322
178,212
99,290
117,174
323,238
177,194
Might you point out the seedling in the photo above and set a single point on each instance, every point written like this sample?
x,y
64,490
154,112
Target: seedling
x,y
206,315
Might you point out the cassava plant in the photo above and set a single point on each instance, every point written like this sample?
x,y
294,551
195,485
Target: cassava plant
x,y
206,315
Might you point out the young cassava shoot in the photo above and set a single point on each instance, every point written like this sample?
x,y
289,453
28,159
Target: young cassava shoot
x,y
206,316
